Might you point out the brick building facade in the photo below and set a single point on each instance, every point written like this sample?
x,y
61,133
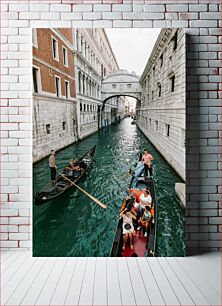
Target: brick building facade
x,y
54,103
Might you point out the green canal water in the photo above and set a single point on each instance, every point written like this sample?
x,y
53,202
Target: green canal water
x,y
73,225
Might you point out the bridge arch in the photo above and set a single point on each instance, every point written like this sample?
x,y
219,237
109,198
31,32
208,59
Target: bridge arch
x,y
121,83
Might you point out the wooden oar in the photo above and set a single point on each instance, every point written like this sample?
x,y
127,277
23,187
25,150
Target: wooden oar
x,y
86,193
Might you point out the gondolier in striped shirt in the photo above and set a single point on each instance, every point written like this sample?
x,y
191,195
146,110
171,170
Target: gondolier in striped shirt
x,y
52,166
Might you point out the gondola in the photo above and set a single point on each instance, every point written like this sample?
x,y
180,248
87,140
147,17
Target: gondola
x,y
134,120
61,185
143,246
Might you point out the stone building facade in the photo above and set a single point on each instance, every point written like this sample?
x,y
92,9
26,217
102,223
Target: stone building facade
x,y
94,59
54,103
161,113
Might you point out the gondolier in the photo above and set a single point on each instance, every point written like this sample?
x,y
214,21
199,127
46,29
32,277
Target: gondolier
x,y
63,182
52,166
147,159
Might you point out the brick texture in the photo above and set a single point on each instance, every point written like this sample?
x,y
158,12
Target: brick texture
x,y
201,20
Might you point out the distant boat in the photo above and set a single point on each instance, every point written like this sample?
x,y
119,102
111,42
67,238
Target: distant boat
x,y
61,185
133,121
143,246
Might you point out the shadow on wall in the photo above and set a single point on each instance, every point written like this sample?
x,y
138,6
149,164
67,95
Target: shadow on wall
x,y
193,194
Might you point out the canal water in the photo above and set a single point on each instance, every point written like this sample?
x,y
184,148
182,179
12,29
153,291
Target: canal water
x,y
73,225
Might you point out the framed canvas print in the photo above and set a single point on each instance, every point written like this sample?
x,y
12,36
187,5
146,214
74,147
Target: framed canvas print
x,y
109,112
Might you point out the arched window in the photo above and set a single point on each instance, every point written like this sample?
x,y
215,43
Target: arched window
x,y
86,84
83,84
93,89
79,81
90,88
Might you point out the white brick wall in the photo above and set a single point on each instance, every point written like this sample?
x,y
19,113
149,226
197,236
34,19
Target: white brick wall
x,y
169,108
201,18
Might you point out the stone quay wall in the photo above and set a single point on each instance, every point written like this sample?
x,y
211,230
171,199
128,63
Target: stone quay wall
x,y
201,20
61,113
161,113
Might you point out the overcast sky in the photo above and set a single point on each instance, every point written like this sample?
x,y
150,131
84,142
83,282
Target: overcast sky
x,y
132,47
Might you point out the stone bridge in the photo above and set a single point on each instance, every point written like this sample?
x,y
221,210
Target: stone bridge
x,y
121,83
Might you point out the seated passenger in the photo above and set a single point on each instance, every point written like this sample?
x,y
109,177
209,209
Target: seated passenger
x,y
129,202
137,193
72,169
146,219
145,200
128,228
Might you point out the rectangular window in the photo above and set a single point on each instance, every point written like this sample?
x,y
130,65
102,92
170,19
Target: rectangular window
x,y
161,60
64,125
80,107
57,86
128,85
48,128
153,70
150,121
156,125
172,79
167,130
159,90
67,89
55,50
35,72
84,107
113,86
152,95
65,56
175,41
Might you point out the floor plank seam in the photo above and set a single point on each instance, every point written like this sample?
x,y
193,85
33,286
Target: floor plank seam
x,y
58,280
179,281
73,272
143,281
39,271
156,281
45,282
194,283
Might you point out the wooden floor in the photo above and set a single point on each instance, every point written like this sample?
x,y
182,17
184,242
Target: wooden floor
x,y
110,281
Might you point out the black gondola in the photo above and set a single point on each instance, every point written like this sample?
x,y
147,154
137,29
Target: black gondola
x,y
134,120
61,185
140,243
